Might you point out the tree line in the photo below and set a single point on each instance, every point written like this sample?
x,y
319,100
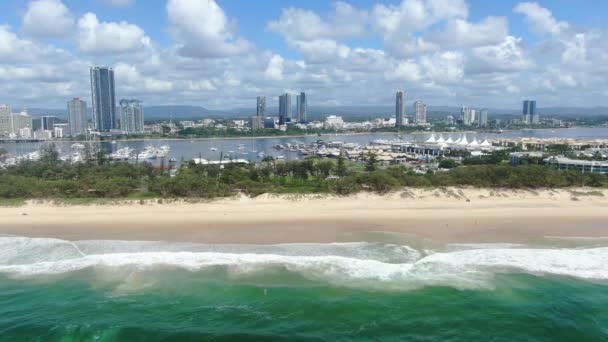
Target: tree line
x,y
98,178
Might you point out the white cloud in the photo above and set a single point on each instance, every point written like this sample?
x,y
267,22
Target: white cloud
x,y
274,70
47,19
397,23
540,19
203,30
130,81
406,70
443,68
297,24
461,33
109,37
506,56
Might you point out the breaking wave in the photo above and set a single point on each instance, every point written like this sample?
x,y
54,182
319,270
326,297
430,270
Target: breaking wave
x,y
359,265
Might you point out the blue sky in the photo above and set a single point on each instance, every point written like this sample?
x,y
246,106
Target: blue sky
x,y
223,53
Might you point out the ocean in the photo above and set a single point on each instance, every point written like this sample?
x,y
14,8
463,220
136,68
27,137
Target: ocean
x,y
417,290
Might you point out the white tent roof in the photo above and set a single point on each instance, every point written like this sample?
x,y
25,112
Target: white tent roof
x,y
463,141
449,141
431,139
474,143
486,143
440,140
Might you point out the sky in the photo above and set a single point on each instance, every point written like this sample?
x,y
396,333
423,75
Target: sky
x,y
221,54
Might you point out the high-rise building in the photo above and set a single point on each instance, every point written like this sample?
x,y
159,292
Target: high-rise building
x,y
48,123
104,102
21,121
399,109
131,116
420,112
284,108
6,120
529,112
261,106
77,117
301,108
36,124
483,118
466,116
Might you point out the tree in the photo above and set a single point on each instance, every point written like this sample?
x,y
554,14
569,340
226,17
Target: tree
x,y
447,164
371,161
341,166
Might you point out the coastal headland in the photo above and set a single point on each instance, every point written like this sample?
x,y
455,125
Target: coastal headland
x,y
458,215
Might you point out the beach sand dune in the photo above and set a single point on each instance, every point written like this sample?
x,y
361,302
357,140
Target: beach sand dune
x,y
447,214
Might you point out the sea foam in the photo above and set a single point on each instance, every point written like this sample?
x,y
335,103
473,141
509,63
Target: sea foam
x,y
367,265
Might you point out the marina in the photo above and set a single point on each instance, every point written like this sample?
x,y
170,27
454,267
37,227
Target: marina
x,y
293,148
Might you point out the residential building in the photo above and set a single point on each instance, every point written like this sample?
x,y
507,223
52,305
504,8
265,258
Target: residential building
x,y
302,108
399,109
103,99
131,116
449,120
48,123
77,117
20,121
261,106
529,112
420,113
6,120
483,118
284,109
256,122
467,116
61,130
333,121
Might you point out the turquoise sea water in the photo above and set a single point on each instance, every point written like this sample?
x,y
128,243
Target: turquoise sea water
x,y
117,290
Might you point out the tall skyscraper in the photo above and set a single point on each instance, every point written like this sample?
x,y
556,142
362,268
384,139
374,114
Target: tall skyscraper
x,y
399,109
466,116
6,120
420,112
284,108
529,112
483,118
77,117
104,102
302,108
261,106
131,116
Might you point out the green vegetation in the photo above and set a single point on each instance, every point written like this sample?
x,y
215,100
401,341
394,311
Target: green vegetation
x,y
97,178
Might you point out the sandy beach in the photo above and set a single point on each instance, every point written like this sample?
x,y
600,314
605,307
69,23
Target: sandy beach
x,y
445,215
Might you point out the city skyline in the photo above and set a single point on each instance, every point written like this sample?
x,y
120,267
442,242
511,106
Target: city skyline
x,y
470,52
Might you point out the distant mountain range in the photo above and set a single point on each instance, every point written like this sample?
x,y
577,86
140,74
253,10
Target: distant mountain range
x,y
318,112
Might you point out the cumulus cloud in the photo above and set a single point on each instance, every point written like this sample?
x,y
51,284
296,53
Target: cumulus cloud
x,y
47,19
540,19
509,55
461,33
274,70
203,30
109,37
297,24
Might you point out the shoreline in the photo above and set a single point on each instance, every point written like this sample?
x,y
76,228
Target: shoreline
x,y
448,215
325,134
